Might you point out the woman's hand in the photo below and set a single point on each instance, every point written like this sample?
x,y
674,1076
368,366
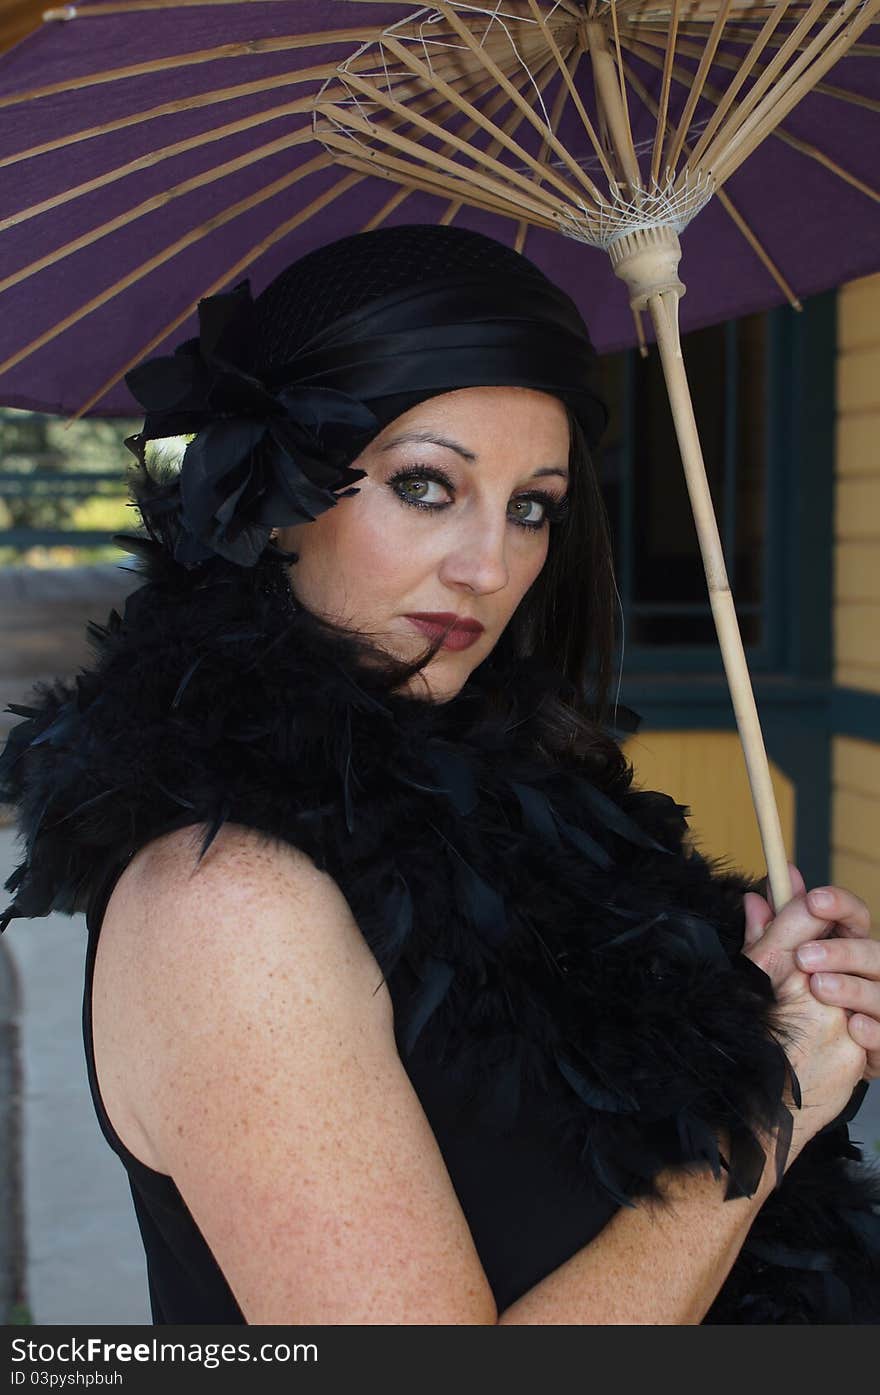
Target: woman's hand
x,y
843,963
827,1059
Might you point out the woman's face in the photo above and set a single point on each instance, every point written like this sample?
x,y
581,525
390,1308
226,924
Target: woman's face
x,y
451,517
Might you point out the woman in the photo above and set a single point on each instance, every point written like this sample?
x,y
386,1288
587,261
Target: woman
x,y
406,1006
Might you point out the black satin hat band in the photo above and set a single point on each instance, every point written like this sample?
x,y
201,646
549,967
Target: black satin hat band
x,y
274,444
470,332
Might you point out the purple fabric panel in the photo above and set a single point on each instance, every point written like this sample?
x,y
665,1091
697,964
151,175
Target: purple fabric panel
x,y
820,230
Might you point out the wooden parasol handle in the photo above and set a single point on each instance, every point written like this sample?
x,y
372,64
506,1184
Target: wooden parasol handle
x,y
663,309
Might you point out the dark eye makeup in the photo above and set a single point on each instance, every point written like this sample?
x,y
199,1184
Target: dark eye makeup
x,y
555,508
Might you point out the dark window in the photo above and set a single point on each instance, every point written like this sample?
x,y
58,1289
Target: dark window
x,y
659,568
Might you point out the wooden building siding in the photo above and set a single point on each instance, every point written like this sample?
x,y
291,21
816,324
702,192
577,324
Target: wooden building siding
x,y
856,819
855,810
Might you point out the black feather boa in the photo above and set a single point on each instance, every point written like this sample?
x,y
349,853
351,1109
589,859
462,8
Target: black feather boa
x,y
574,956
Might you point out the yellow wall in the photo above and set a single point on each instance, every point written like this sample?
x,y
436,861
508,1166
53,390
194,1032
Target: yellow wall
x,y
855,809
706,770
855,815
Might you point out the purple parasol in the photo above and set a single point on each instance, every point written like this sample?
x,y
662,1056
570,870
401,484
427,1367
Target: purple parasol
x,y
156,79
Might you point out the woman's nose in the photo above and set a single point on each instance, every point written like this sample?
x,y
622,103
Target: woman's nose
x,y
479,559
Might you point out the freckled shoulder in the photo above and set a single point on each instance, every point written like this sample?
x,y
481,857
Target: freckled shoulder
x,y
173,920
257,1053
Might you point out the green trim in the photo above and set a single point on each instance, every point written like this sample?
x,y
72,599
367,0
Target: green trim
x,y
669,701
855,713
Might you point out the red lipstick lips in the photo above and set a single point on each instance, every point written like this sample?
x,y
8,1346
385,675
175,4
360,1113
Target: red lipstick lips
x,y
462,634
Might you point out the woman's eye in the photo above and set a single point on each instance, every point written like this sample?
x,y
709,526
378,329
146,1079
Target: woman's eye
x,y
419,488
533,513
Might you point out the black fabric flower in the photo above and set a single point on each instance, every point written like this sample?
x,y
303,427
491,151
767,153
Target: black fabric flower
x,y
264,456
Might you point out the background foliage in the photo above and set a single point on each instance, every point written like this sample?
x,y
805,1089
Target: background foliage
x,y
39,455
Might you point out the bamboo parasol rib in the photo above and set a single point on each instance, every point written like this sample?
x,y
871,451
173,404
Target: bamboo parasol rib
x,y
188,103
150,205
301,106
287,43
663,108
727,204
341,187
812,152
155,157
497,102
312,208
192,236
428,101
191,102
570,68
743,67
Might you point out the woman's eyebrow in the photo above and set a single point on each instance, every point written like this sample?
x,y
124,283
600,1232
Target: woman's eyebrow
x,y
551,470
429,437
423,437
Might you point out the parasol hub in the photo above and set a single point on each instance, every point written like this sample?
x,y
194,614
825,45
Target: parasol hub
x,y
647,260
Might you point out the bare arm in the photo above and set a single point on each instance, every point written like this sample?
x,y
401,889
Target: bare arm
x,y
275,1097
650,1265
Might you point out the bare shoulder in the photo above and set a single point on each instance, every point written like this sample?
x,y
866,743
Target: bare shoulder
x,y
239,861
188,946
249,896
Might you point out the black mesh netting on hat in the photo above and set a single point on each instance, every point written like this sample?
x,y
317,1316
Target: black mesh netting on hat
x,y
334,280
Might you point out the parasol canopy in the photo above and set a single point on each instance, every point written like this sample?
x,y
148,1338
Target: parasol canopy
x,y
153,153
579,130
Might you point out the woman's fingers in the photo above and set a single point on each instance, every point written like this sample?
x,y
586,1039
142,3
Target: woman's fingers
x,y
771,941
848,991
774,952
865,1031
846,910
840,956
795,925
846,974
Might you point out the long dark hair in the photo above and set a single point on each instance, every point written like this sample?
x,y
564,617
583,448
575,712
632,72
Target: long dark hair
x,y
567,618
562,633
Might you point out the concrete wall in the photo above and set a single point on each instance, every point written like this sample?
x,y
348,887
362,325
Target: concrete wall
x,y
43,617
74,1249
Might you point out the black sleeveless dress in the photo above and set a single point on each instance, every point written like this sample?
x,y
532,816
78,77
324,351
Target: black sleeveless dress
x,y
525,1215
